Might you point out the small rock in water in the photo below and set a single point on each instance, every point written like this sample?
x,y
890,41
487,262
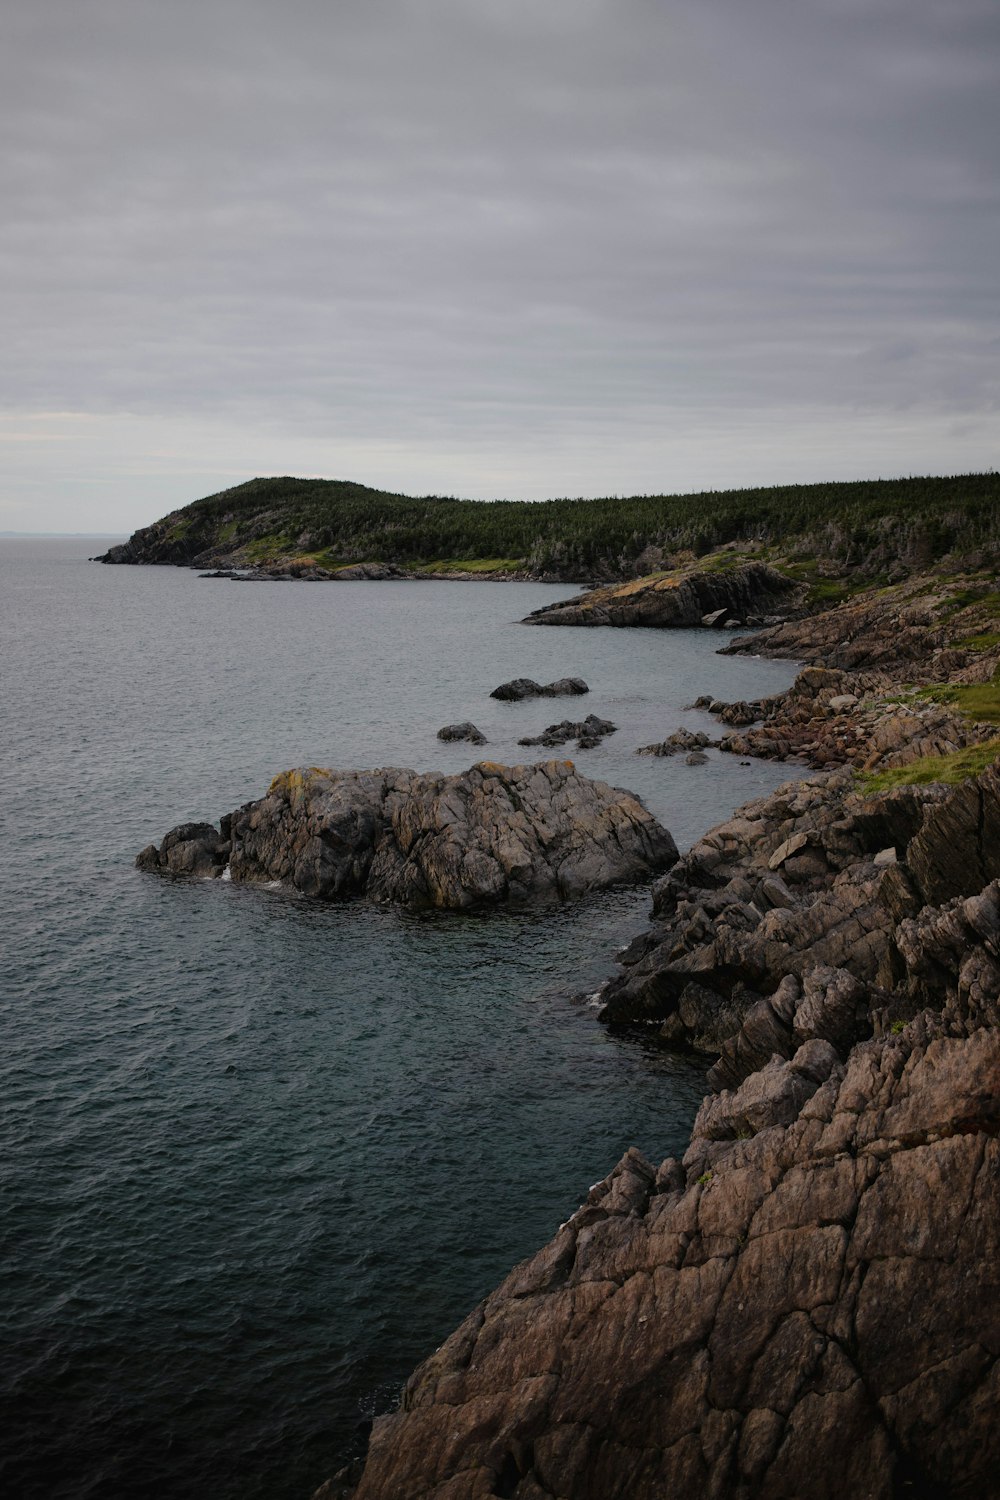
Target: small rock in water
x,y
520,688
696,758
588,733
681,739
465,731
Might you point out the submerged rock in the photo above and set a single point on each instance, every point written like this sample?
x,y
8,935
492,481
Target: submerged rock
x,y
492,834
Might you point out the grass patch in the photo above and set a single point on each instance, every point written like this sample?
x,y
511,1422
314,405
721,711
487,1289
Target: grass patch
x,y
823,592
978,596
263,548
473,565
725,562
974,700
831,591
951,769
984,642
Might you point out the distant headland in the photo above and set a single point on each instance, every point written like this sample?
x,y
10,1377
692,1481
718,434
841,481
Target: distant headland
x,y
825,535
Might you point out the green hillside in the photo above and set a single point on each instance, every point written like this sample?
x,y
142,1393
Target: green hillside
x,y
868,525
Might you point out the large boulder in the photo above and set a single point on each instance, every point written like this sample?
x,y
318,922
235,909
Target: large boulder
x,y
492,834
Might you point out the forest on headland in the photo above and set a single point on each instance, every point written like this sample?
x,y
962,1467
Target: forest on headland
x,y
866,524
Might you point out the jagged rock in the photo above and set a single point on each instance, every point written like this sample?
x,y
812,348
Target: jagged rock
x,y
492,834
587,733
520,688
464,731
197,849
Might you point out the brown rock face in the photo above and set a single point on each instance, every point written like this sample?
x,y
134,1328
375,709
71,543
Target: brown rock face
x,y
753,590
492,834
807,1307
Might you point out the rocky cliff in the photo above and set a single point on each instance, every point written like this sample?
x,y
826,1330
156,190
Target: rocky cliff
x,y
808,1304
428,841
739,595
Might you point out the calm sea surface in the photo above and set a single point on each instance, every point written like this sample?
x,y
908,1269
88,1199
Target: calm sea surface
x,y
259,1156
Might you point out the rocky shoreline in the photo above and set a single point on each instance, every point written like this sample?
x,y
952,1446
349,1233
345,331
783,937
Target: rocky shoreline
x,y
808,1303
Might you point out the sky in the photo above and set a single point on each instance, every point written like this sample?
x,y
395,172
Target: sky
x,y
515,248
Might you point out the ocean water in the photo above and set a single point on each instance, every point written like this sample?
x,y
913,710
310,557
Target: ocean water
x,y
259,1156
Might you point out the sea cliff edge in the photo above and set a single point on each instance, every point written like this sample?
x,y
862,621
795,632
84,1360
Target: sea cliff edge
x,y
808,1302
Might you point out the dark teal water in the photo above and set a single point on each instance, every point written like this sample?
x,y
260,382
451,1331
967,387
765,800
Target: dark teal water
x,y
258,1156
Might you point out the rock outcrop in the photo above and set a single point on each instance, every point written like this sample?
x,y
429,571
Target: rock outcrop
x,y
747,594
428,841
520,688
808,1304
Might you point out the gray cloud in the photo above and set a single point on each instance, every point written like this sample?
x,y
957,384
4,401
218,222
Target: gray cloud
x,y
460,238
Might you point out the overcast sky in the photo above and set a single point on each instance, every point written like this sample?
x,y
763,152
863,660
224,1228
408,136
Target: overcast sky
x,y
492,247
